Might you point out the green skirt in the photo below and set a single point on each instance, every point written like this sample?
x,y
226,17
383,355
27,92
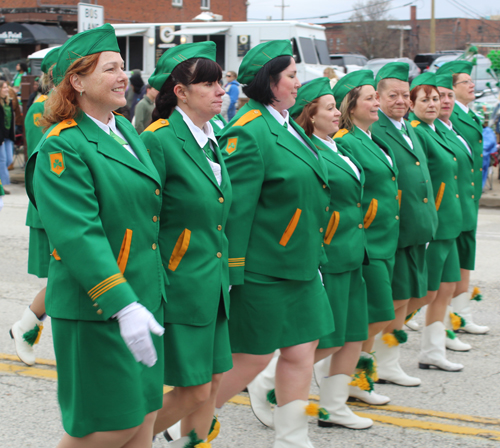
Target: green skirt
x,y
193,354
443,263
100,385
347,294
410,273
378,277
268,313
466,244
39,253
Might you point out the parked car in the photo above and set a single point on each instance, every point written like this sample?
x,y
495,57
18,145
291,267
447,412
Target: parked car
x,y
425,60
376,64
349,62
480,74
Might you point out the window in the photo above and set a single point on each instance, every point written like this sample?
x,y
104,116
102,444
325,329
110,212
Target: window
x,y
132,52
308,50
205,4
322,52
177,3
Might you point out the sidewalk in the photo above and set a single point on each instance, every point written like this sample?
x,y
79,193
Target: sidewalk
x,y
490,198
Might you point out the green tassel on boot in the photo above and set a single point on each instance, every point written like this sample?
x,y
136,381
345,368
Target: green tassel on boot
x,y
271,396
33,336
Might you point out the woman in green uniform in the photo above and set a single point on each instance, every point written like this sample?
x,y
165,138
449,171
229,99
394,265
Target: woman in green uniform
x,y
276,229
467,125
106,284
193,242
418,217
443,264
316,112
26,331
359,108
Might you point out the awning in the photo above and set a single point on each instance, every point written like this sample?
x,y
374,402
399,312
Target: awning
x,y
122,32
198,31
23,33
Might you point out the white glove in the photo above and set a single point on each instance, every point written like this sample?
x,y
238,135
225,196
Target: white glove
x,y
426,245
136,323
1,202
230,286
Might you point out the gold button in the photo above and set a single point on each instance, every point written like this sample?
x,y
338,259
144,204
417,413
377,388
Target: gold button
x,y
455,159
480,169
457,195
455,177
472,183
221,200
219,227
417,163
322,245
324,186
321,230
327,208
397,198
472,170
359,205
157,192
219,255
426,200
472,196
153,246
360,226
393,178
480,141
397,217
96,305
155,218
481,154
99,312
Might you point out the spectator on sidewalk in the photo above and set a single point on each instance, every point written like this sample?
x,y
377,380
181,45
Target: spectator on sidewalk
x,y
144,109
489,147
233,90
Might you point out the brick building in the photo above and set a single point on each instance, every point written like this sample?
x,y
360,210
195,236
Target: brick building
x,y
451,34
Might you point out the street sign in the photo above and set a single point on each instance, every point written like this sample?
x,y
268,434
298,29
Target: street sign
x,y
89,16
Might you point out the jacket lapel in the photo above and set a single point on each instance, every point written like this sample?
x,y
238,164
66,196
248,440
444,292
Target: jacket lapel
x,y
392,131
451,138
436,137
374,147
465,118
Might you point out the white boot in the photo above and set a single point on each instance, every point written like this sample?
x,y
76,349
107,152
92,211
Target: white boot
x,y
433,350
290,422
389,369
322,369
333,393
462,305
368,397
258,389
452,341
174,432
413,325
24,343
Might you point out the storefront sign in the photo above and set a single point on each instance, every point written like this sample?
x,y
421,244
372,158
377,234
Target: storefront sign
x,y
89,16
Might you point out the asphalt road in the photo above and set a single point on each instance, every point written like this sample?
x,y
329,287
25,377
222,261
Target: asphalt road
x,y
447,410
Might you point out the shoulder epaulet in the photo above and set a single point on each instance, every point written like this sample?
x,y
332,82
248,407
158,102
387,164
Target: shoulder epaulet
x,y
161,123
41,99
415,123
248,117
340,133
116,113
61,126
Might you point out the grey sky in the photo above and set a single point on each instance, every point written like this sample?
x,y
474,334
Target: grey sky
x,y
311,10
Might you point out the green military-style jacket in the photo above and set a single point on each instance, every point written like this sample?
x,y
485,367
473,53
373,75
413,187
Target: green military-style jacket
x,y
281,198
99,206
34,133
380,196
193,242
472,132
345,244
418,211
466,187
443,168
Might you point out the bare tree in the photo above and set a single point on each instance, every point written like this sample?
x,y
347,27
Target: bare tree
x,y
367,31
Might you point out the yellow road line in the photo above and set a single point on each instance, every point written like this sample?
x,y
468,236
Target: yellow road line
x,y
28,371
44,362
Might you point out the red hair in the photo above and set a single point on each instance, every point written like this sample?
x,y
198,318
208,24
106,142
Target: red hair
x,y
304,120
426,88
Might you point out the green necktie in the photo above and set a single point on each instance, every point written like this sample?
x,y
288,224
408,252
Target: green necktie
x,y
209,153
474,117
285,125
403,130
117,138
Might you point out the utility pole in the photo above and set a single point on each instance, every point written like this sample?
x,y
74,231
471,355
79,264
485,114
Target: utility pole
x,y
282,6
433,29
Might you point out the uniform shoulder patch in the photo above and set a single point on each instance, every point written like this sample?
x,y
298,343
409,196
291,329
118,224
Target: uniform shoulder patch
x,y
41,99
248,117
415,123
232,144
57,165
66,124
340,133
161,123
36,119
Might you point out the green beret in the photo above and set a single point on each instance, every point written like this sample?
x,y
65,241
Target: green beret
x,y
175,55
96,40
397,70
260,55
444,80
309,92
49,60
425,79
455,67
350,81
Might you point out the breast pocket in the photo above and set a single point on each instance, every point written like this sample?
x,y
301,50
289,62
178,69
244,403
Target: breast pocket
x,y
332,227
291,227
371,213
180,249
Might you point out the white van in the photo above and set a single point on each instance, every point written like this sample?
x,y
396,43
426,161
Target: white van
x,y
142,44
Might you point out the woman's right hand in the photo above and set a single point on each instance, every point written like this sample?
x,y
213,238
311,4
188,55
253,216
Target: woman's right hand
x,y
136,324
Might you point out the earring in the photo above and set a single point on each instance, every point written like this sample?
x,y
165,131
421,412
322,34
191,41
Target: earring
x,y
312,121
81,92
184,101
